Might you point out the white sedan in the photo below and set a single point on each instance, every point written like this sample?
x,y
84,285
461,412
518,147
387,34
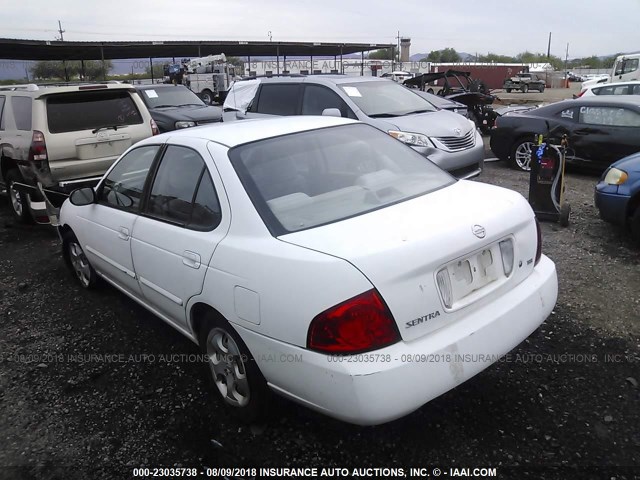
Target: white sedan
x,y
317,258
617,88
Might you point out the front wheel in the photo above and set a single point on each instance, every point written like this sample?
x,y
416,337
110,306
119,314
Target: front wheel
x,y
525,88
430,90
542,89
521,155
635,227
18,200
77,261
235,376
508,90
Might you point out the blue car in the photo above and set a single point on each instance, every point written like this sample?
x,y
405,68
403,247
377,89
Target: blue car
x,y
618,194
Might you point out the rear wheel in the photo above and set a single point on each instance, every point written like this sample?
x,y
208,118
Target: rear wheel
x,y
207,96
18,201
525,88
234,374
541,88
521,155
430,90
508,90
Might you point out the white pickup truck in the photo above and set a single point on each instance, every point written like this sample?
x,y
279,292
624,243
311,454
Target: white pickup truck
x,y
626,68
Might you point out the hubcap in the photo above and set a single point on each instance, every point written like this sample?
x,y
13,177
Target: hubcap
x,y
80,263
524,153
16,200
227,368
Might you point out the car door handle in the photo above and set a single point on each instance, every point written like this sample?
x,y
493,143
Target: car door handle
x,y
123,233
583,131
191,259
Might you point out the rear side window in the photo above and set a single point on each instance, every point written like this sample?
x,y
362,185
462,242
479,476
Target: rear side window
x,y
88,110
278,99
183,192
612,116
22,112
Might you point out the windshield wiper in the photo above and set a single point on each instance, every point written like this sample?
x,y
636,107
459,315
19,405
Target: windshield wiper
x,y
383,115
189,104
416,111
163,106
108,127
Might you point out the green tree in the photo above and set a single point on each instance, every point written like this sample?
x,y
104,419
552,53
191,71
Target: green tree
x,y
55,69
496,58
384,54
446,55
529,57
158,70
236,61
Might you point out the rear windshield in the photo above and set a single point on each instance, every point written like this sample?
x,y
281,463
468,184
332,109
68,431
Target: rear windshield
x,y
313,178
88,110
385,99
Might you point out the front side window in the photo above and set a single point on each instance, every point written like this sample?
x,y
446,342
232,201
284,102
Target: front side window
x,y
91,109
611,116
313,178
278,99
316,99
2,99
22,112
123,186
627,66
182,191
386,99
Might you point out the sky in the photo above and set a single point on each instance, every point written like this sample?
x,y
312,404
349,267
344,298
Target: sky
x,y
505,27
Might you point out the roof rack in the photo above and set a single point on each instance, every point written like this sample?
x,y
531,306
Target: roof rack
x,y
29,87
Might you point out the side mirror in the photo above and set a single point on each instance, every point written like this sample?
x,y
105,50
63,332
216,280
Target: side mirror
x,y
331,112
83,196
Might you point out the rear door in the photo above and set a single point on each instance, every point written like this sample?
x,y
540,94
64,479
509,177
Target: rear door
x,y
86,130
276,99
180,227
607,133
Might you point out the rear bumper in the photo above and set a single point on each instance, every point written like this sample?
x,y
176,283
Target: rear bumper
x,y
381,386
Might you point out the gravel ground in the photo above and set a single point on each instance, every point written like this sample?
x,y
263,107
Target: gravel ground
x,y
563,402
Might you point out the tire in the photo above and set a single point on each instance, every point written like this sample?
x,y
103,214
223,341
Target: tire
x,y
207,96
77,261
508,90
635,226
565,214
521,154
542,89
19,202
430,90
525,88
231,362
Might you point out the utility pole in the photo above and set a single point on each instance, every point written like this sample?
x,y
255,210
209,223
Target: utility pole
x,y
566,61
64,63
549,48
398,51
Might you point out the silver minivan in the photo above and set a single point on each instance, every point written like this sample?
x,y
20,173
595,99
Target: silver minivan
x,y
449,140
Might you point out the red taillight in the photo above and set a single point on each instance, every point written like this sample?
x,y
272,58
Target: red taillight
x,y
495,122
38,148
581,93
360,324
154,128
539,239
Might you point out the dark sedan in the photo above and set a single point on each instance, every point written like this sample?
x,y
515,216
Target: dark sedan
x,y
617,195
175,106
601,130
444,103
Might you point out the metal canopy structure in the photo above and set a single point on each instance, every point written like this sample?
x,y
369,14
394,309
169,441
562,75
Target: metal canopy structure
x,y
16,49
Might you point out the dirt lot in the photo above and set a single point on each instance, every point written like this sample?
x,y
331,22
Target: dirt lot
x,y
563,402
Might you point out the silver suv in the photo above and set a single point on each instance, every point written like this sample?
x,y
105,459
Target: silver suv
x,y
447,139
62,137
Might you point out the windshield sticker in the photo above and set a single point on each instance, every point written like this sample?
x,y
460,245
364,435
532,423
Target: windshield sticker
x,y
567,114
151,93
352,91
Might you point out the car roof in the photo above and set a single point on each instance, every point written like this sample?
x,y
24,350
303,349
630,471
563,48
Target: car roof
x,y
236,133
324,79
157,85
612,100
41,90
613,84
